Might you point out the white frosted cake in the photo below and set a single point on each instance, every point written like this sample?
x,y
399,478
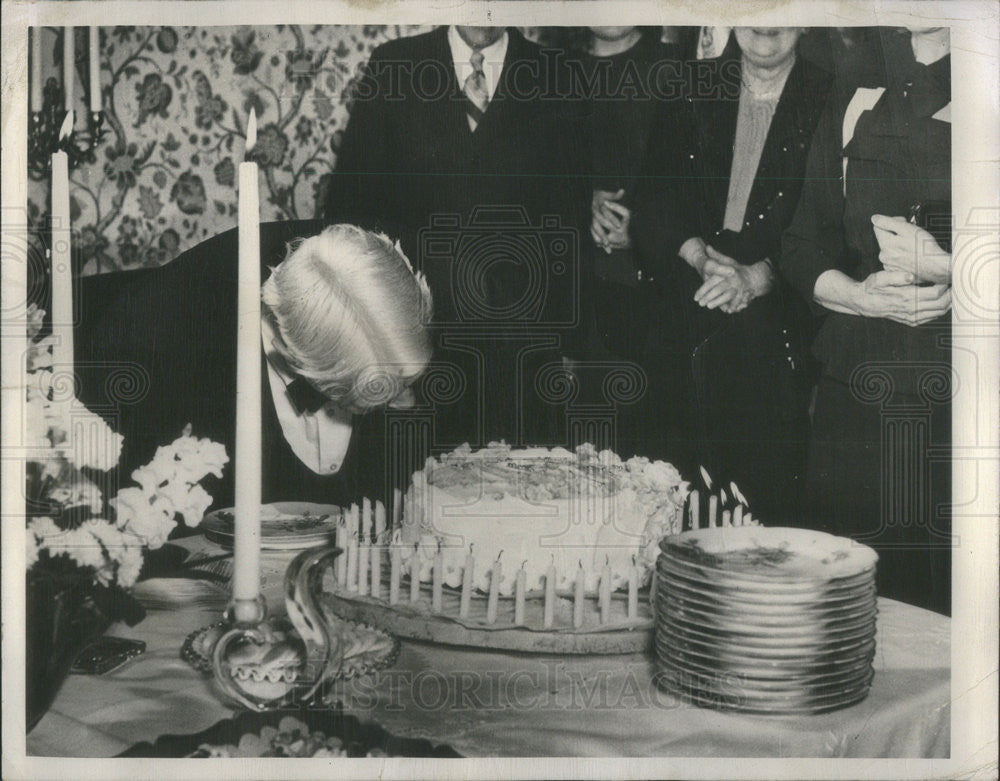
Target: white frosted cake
x,y
540,508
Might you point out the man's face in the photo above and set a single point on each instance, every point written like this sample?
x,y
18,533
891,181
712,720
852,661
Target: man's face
x,y
480,37
767,47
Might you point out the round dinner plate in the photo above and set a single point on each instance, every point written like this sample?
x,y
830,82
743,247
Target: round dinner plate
x,y
748,680
734,628
706,700
774,646
725,583
772,555
790,671
735,696
283,525
764,615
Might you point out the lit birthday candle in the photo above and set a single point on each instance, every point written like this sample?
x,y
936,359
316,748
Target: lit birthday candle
x,y
468,574
578,597
550,595
493,599
437,584
520,585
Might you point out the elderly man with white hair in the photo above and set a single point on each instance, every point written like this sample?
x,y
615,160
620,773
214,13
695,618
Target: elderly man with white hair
x,y
343,336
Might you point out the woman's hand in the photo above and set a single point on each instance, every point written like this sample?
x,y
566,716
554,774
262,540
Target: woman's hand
x,y
907,247
893,295
609,220
729,285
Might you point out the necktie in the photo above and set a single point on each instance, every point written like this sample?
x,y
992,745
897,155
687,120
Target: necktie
x,y
475,91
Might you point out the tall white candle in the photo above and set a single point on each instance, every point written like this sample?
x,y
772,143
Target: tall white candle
x,y
465,601
493,600
727,518
713,510
246,546
738,515
69,56
62,257
36,69
95,69
395,569
578,597
379,519
520,584
549,608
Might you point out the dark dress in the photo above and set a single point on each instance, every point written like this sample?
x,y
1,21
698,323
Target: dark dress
x,y
493,217
880,461
156,350
624,107
728,392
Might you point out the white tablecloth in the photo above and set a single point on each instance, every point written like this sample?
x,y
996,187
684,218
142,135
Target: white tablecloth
x,y
493,704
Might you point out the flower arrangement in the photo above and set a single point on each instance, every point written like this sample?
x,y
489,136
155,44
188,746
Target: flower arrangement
x,y
83,552
104,540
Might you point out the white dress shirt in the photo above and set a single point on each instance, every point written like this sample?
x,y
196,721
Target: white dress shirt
x,y
319,439
493,57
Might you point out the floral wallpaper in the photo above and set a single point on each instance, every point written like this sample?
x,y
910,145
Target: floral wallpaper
x,y
176,102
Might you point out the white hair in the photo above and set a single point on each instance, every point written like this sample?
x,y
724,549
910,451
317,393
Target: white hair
x,y
351,315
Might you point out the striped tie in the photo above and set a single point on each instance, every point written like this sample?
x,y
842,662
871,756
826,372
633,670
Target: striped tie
x,y
475,91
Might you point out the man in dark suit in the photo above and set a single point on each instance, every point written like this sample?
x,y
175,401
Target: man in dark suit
x,y
463,142
160,352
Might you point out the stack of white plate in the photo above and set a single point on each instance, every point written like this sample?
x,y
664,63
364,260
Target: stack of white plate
x,y
765,620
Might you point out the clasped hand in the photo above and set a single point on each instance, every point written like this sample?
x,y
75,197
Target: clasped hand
x,y
610,220
728,285
906,247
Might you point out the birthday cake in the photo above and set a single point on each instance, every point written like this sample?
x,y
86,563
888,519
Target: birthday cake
x,y
541,510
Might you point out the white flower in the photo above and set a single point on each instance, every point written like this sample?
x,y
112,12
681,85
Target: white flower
x,y
149,520
198,501
91,442
84,548
129,565
30,550
42,528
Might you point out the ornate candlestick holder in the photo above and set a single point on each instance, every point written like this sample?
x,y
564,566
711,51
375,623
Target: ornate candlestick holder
x,y
263,663
43,134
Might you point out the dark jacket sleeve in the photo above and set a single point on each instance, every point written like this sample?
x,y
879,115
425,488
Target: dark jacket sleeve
x,y
814,242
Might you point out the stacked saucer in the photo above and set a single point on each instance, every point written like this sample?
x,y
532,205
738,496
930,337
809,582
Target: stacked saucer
x,y
765,620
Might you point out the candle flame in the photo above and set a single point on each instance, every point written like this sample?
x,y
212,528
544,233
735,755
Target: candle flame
x,y
739,494
723,497
706,478
67,127
251,132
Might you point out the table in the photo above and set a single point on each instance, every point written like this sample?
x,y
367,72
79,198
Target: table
x,y
500,704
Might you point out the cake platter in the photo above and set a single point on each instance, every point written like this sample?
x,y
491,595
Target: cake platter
x,y
417,619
